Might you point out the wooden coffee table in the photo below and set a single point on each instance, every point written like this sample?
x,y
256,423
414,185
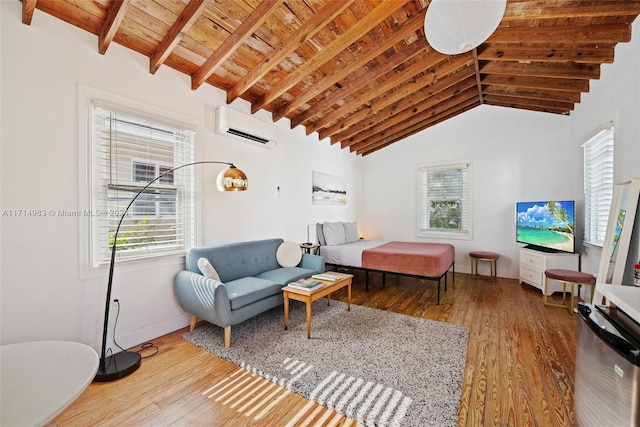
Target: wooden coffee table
x,y
308,297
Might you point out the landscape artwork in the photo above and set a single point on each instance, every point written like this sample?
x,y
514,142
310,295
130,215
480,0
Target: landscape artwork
x,y
549,225
617,232
328,189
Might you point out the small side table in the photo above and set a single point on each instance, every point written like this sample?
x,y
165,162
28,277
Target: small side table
x,y
40,379
310,248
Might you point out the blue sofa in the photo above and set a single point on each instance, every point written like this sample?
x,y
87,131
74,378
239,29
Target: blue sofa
x,y
251,282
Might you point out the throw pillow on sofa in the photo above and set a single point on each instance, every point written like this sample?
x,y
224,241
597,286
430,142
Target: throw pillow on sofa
x,y
207,269
288,254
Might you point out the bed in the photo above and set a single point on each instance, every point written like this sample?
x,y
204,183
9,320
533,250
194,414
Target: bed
x,y
428,261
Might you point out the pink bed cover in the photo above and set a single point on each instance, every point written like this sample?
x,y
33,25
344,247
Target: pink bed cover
x,y
420,259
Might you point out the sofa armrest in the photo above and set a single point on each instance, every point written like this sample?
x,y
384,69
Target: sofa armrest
x,y
313,262
203,297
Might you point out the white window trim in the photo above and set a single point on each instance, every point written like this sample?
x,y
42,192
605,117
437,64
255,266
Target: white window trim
x,y
445,234
608,125
86,95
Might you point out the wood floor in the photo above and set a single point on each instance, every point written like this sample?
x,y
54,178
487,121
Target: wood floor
x,y
519,372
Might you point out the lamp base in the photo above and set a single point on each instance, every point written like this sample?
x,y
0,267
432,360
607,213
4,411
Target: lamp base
x,y
117,366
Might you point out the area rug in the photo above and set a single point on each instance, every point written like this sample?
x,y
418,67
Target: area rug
x,y
376,367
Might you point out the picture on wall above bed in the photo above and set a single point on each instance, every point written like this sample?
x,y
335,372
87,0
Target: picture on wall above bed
x,y
328,189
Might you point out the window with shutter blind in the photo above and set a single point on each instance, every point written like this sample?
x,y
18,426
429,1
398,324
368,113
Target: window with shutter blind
x,y
598,183
444,200
128,150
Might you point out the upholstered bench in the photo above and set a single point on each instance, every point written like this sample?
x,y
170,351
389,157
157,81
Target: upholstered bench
x,y
570,277
491,257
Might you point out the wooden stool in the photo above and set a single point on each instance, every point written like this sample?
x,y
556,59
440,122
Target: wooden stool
x,y
566,277
483,256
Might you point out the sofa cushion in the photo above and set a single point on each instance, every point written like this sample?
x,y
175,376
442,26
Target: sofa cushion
x,y
289,254
235,260
286,274
248,290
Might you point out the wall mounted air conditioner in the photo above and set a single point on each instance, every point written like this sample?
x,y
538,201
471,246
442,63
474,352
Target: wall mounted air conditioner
x,y
244,127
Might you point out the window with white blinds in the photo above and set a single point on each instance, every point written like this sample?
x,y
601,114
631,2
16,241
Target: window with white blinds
x,y
130,149
598,184
444,200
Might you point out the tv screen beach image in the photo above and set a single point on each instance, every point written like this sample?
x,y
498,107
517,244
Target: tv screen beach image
x,y
546,224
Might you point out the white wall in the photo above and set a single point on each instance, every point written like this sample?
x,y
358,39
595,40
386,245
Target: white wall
x,y
42,293
614,97
517,155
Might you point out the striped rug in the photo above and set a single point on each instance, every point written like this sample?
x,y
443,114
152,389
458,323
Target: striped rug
x,y
376,367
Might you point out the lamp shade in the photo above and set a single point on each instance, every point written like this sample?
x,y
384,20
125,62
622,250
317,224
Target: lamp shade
x,y
232,179
457,26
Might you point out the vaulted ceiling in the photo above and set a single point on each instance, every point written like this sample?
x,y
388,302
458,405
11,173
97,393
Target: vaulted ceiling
x,y
360,72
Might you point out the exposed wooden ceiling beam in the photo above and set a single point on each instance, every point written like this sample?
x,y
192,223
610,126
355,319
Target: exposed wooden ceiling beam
x,y
110,28
526,93
534,9
185,20
231,43
308,30
357,31
546,83
463,90
442,71
549,106
567,35
578,54
28,7
377,91
397,59
568,70
444,86
405,31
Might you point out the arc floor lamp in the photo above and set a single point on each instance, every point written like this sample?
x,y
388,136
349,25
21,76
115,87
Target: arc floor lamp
x,y
121,364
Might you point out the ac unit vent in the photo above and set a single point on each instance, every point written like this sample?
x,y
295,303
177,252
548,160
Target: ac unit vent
x,y
245,127
241,134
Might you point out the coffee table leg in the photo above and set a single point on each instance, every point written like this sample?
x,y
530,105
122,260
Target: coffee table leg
x,y
308,319
286,310
349,297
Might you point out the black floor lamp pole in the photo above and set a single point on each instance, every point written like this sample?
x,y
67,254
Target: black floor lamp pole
x,y
121,364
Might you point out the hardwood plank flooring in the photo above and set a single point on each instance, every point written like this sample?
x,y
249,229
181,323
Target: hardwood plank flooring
x,y
519,371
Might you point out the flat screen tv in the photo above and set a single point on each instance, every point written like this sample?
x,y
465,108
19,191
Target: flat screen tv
x,y
547,226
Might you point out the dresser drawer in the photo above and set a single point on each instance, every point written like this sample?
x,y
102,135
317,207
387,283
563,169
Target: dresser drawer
x,y
532,260
531,275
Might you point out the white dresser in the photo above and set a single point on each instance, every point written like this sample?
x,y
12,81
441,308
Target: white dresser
x,y
533,263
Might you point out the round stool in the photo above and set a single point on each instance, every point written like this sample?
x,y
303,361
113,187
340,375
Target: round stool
x,y
566,277
483,256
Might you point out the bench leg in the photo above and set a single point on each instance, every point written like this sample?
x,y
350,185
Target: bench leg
x,y
227,336
194,320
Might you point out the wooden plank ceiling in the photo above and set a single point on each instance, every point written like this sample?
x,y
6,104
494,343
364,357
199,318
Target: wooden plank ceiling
x,y
360,72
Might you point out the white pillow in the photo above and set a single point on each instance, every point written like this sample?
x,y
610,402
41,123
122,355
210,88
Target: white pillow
x,y
207,269
333,233
289,254
350,232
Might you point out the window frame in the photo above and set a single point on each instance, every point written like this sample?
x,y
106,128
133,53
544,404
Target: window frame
x,y
88,267
422,198
598,183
